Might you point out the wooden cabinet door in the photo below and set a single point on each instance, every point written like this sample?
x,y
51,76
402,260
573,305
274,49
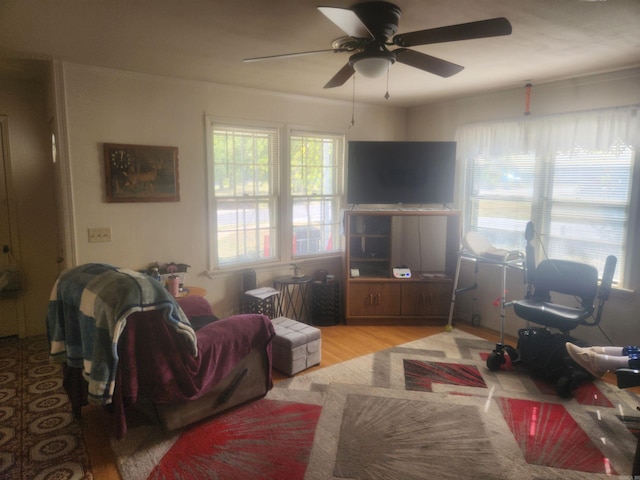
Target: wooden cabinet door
x,y
374,299
426,299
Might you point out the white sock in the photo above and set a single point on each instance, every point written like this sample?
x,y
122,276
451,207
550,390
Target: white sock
x,y
614,351
612,362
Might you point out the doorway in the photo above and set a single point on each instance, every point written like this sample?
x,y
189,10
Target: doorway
x,y
10,308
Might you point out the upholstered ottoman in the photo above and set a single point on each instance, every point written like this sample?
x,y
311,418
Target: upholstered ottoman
x,y
296,346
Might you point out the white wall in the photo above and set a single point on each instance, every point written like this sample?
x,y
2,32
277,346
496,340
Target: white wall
x,y
439,121
107,106
110,106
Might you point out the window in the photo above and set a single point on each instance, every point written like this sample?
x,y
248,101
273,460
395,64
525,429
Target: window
x,y
571,175
316,191
245,194
253,219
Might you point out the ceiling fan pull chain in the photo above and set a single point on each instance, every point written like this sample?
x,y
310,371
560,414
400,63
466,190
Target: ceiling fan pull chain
x,y
353,104
527,99
386,95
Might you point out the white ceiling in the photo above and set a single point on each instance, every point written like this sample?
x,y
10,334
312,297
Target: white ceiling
x,y
207,40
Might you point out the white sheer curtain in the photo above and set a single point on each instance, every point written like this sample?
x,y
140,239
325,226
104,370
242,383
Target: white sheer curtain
x,y
589,130
572,174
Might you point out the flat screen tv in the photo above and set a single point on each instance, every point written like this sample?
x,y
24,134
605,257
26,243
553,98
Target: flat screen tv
x,y
400,172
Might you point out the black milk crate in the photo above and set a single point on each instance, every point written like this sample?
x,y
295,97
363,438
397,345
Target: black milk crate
x,y
325,303
264,306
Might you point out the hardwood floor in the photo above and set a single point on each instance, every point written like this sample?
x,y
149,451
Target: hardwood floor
x,y
342,342
339,343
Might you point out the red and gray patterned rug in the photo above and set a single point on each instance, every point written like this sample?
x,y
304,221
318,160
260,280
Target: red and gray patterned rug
x,y
426,409
38,437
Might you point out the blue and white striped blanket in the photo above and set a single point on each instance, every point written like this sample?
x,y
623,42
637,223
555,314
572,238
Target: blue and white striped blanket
x,y
88,311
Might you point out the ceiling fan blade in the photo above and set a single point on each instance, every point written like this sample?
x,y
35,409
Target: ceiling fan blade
x,y
296,54
347,21
427,63
493,27
342,76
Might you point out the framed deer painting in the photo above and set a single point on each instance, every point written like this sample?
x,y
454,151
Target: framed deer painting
x,y
141,173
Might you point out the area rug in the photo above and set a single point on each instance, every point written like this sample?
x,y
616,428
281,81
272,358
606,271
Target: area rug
x,y
426,409
39,439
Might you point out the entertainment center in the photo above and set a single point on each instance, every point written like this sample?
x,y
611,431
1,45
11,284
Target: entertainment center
x,y
377,240
400,255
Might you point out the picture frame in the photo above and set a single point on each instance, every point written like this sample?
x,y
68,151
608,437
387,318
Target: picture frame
x,y
141,173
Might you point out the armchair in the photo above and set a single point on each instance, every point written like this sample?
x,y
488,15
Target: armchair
x,y
125,340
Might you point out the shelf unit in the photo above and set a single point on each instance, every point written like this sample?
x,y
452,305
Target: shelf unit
x,y
379,240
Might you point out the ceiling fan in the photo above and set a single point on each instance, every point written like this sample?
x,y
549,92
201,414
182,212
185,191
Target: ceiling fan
x,y
370,29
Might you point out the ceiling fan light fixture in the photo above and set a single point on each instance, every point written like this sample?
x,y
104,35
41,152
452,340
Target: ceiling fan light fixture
x,y
372,65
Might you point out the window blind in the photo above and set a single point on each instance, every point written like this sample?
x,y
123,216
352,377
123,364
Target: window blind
x,y
572,175
245,190
316,184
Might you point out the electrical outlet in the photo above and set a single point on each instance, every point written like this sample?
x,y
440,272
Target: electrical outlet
x,y
100,234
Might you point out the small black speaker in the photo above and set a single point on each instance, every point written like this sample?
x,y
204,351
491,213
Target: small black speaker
x,y
248,280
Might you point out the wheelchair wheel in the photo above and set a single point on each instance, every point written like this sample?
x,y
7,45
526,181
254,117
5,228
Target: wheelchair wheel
x,y
564,387
514,355
494,361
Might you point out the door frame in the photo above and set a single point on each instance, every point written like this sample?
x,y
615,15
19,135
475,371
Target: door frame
x,y
67,253
10,304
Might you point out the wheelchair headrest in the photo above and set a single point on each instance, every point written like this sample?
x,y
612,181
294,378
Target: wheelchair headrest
x,y
529,232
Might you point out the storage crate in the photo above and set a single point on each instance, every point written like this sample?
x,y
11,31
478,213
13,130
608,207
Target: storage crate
x,y
325,303
263,306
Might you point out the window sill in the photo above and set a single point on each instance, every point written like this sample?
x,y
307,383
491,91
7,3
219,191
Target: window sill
x,y
621,292
276,265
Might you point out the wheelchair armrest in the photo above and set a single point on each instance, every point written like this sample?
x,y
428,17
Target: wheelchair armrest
x,y
628,377
605,288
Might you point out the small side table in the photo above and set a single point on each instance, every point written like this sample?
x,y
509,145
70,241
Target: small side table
x,y
293,300
187,291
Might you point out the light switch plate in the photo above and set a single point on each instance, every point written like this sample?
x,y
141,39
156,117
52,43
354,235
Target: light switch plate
x,y
102,234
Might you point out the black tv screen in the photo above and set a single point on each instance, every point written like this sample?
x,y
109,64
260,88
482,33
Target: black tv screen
x,y
400,172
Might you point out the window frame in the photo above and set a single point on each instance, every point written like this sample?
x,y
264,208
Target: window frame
x,y
283,201
272,198
335,198
541,199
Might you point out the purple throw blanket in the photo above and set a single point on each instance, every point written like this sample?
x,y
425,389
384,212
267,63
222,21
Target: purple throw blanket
x,y
154,362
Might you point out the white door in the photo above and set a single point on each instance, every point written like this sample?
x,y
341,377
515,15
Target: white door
x,y
9,307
